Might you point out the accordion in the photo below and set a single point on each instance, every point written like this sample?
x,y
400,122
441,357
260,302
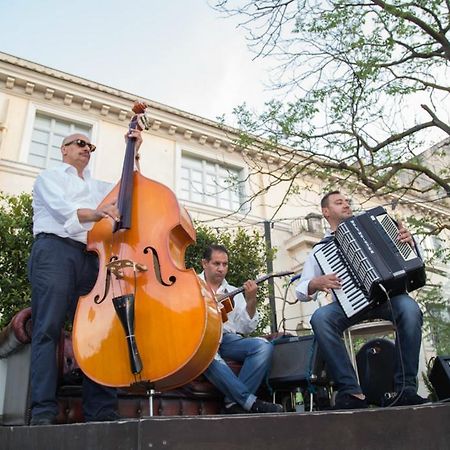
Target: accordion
x,y
370,261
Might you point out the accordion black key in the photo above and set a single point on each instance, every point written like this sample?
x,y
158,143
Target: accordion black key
x,y
370,261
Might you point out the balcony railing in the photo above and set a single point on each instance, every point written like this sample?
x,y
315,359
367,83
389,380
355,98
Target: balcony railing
x,y
312,223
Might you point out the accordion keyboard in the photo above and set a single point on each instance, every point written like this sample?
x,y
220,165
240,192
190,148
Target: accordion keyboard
x,y
352,296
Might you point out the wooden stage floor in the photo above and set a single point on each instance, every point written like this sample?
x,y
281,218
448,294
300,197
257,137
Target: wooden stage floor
x,y
425,427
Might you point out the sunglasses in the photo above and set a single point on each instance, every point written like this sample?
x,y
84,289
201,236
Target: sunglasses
x,y
81,143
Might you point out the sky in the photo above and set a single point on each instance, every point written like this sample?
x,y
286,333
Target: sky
x,y
178,52
181,53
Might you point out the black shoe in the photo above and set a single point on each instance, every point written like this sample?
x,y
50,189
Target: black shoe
x,y
234,409
265,407
407,398
349,401
43,419
111,416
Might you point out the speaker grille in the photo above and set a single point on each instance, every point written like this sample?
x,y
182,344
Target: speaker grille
x,y
296,360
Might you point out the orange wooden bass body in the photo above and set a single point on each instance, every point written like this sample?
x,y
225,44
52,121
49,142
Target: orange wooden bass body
x,y
177,325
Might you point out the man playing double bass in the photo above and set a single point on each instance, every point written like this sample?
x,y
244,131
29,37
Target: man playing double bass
x,y
65,208
254,352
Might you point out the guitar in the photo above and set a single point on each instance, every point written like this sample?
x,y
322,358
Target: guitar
x,y
225,300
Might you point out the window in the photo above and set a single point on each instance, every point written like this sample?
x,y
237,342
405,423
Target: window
x,y
211,183
48,133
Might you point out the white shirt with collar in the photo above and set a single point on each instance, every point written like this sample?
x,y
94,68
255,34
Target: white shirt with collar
x,y
311,269
58,193
239,320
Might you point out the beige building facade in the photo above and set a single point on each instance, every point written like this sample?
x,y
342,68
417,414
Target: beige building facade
x,y
193,156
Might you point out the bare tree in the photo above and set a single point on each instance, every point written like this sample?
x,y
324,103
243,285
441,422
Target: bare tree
x,y
365,83
363,86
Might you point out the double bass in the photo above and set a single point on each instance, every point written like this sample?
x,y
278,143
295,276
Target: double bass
x,y
147,318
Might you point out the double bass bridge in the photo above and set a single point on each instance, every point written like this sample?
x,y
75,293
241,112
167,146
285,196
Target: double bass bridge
x,y
117,267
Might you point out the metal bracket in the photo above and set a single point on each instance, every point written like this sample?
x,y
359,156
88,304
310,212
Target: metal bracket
x,y
116,267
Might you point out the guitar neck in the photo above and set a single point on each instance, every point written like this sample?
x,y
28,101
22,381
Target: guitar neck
x,y
257,281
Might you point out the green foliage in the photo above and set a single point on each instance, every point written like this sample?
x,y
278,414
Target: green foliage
x,y
436,306
426,379
16,237
248,256
434,298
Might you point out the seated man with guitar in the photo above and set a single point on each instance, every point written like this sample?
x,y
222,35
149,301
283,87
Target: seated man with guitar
x,y
254,352
331,320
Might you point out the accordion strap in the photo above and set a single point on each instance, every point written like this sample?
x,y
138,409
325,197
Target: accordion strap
x,y
325,240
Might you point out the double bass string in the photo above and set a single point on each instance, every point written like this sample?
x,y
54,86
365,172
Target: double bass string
x,y
118,238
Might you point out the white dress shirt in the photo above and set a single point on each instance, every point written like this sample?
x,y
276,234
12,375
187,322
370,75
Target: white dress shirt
x,y
311,269
239,320
57,195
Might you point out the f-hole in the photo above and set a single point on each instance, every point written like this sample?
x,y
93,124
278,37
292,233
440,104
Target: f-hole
x,y
97,300
157,267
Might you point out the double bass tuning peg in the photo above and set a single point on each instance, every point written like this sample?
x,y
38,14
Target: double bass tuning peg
x,y
143,121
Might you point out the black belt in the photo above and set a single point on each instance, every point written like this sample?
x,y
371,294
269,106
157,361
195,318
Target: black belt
x,y
67,240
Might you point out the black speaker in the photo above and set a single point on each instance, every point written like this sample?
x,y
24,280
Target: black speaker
x,y
440,376
376,366
296,360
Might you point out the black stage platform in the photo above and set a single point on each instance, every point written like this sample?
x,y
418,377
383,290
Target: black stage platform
x,y
419,428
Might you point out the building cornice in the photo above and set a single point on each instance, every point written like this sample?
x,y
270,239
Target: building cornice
x,y
31,80
18,168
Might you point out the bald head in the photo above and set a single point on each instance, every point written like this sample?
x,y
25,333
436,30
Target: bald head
x,y
73,137
74,153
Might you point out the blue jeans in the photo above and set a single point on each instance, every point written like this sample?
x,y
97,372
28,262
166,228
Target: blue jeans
x,y
256,355
329,322
60,271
